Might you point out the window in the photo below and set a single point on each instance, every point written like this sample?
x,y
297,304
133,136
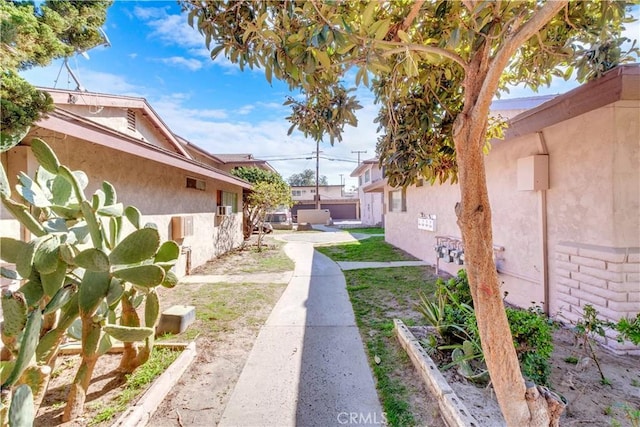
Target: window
x,y
296,192
131,120
360,180
198,184
228,199
397,201
313,191
367,176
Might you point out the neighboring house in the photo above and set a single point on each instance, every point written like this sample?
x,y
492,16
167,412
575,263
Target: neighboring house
x,y
224,162
122,140
564,187
370,192
333,197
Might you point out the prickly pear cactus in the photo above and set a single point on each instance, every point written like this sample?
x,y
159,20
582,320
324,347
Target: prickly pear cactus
x,y
77,268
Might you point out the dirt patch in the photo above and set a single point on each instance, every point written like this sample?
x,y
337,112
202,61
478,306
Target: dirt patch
x,y
591,403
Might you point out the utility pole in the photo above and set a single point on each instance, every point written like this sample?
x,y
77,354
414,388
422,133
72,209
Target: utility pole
x,y
341,186
356,151
317,175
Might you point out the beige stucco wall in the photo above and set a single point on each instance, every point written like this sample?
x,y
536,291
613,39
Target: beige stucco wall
x,y
157,190
593,199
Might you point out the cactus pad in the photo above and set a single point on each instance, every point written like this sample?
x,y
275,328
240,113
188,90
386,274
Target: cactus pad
x,y
128,334
14,308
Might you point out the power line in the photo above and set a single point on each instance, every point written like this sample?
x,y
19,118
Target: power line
x,y
359,152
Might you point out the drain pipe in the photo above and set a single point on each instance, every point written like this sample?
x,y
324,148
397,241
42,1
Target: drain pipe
x,y
542,220
187,251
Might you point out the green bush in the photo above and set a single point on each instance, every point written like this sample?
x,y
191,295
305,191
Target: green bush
x,y
531,329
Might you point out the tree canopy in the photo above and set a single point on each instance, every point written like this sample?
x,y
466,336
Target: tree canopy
x,y
269,192
34,36
434,67
306,178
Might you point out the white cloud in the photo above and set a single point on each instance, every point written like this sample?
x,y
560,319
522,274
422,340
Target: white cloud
x,y
170,29
246,109
189,63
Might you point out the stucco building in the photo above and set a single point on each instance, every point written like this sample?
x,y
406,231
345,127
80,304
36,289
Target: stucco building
x,y
564,188
370,188
122,140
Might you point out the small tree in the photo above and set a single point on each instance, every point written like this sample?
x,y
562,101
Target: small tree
x,y
437,66
306,178
268,193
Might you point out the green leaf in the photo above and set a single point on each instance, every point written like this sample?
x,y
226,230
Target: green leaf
x,y
75,330
31,192
61,297
170,280
110,197
22,214
75,179
367,14
116,290
105,345
46,256
53,281
151,309
22,411
45,155
133,215
10,249
136,247
92,224
128,333
112,210
24,263
168,252
33,292
93,289
61,191
28,343
92,259
142,275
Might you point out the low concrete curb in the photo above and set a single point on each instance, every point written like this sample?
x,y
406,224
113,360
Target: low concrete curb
x,y
454,412
140,414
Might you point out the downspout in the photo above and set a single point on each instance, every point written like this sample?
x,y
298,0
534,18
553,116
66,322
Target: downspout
x,y
542,220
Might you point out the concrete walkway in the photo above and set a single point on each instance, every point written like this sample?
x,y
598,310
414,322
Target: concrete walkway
x,y
308,365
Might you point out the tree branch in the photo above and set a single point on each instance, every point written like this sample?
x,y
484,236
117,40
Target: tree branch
x,y
403,47
508,49
412,15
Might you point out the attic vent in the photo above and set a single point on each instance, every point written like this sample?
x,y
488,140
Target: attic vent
x,y
198,184
131,120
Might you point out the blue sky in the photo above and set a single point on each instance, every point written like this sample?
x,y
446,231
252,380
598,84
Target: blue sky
x,y
154,54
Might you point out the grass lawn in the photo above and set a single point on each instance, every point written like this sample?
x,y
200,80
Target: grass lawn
x,y
365,230
378,296
371,249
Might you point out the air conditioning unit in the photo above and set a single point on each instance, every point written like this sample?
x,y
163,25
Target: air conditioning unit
x,y
181,227
225,210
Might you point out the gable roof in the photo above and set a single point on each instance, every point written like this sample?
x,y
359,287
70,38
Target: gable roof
x,y
69,123
363,165
93,99
246,160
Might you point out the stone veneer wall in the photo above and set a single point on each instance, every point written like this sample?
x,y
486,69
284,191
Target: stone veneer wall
x,y
606,278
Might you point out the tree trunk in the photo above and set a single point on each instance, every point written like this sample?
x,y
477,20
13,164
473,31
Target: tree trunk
x,y
78,391
521,406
